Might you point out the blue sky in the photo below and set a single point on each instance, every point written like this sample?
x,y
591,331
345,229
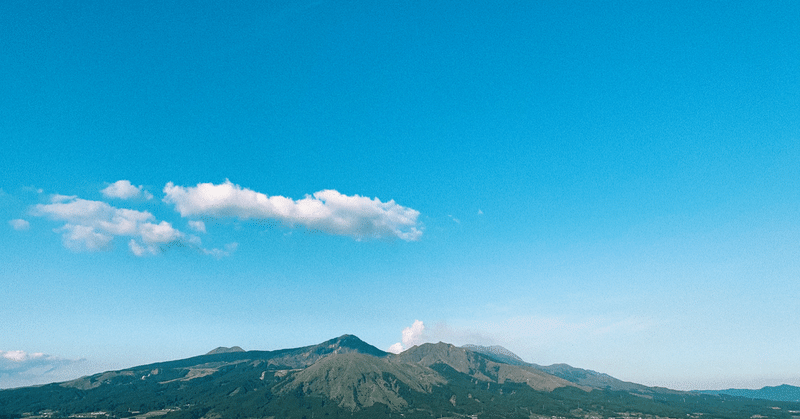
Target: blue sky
x,y
613,185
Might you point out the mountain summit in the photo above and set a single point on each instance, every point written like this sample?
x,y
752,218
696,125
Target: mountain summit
x,y
224,350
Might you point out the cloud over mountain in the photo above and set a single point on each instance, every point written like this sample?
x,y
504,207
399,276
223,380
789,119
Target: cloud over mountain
x,y
412,335
328,211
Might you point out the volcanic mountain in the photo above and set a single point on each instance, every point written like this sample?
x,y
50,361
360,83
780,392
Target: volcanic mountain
x,y
346,377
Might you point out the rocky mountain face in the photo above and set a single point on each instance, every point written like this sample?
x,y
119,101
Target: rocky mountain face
x,y
346,377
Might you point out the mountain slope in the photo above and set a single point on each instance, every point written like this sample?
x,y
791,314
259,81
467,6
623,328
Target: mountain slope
x,y
481,367
357,380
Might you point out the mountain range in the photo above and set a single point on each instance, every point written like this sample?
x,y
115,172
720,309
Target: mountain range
x,y
346,377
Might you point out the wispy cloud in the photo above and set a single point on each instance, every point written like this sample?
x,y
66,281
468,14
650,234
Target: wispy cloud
x,y
328,211
19,224
23,368
123,189
197,226
219,253
92,225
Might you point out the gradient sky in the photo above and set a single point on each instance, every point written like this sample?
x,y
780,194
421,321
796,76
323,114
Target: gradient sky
x,y
612,185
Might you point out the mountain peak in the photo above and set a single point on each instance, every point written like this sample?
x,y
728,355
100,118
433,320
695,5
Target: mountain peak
x,y
224,350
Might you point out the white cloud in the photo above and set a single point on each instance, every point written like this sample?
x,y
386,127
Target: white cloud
x,y
158,233
19,361
327,211
396,348
412,335
23,368
92,225
19,224
123,189
19,356
198,226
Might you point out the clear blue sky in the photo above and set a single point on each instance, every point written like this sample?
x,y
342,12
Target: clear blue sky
x,y
613,185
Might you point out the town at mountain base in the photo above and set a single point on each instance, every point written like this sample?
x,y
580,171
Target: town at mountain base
x,y
346,377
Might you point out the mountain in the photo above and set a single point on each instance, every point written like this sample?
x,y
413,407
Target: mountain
x,y
784,393
346,377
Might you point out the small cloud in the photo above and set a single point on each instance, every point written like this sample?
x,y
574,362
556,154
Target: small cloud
x,y
32,189
396,348
141,250
456,220
123,189
412,335
198,226
220,253
19,224
480,212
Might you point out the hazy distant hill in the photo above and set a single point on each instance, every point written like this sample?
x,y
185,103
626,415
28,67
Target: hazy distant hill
x,y
346,377
785,393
